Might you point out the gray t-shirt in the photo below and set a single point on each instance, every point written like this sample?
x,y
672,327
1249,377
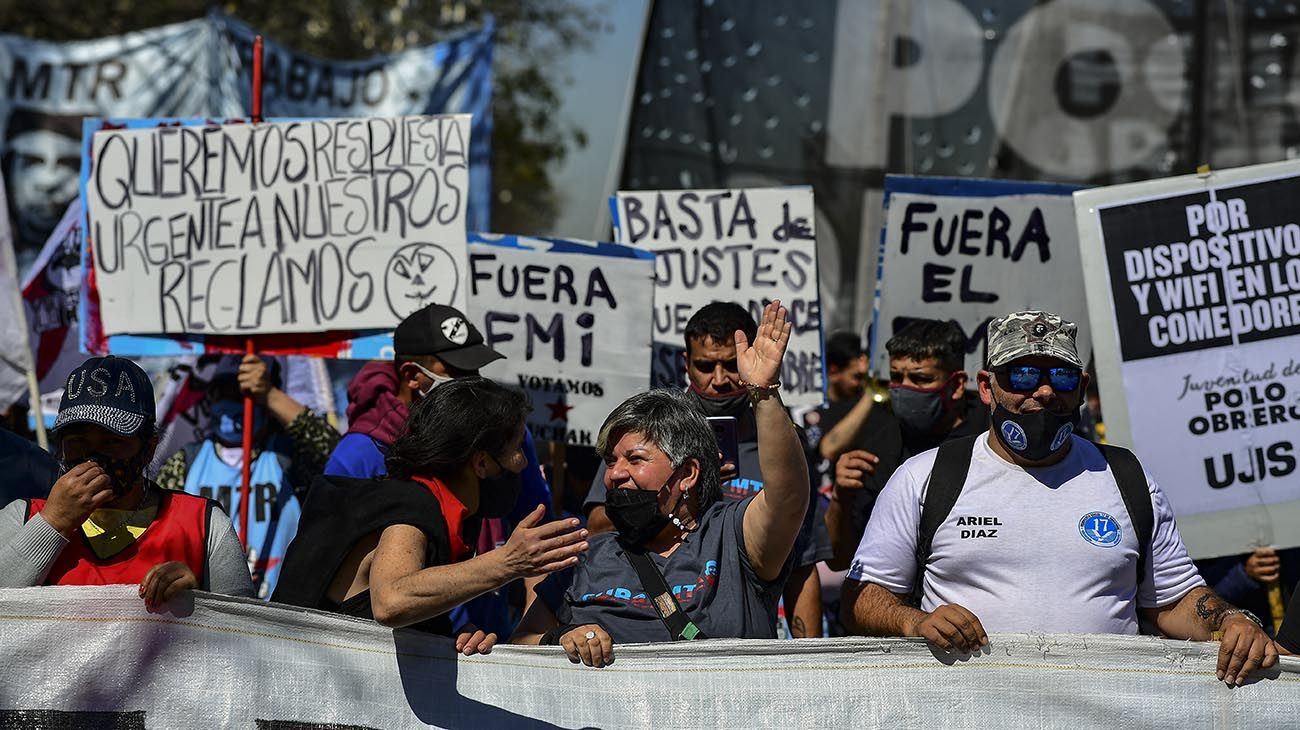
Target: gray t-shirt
x,y
709,573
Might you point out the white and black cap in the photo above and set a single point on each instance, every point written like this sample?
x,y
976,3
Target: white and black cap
x,y
111,392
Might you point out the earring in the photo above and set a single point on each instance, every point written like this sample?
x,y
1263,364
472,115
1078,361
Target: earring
x,y
677,521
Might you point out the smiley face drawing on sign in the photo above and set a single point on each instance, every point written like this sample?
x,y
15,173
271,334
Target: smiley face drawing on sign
x,y
420,274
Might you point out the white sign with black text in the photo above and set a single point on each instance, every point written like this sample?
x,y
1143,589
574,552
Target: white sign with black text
x,y
743,246
968,251
570,318
242,229
1196,280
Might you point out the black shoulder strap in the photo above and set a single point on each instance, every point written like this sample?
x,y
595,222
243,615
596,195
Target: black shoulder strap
x,y
190,452
946,481
1132,482
665,603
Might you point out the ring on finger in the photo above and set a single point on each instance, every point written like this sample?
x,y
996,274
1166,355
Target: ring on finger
x,y
589,635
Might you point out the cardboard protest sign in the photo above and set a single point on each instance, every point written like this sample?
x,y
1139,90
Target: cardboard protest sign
x,y
967,251
570,317
281,227
1196,281
743,246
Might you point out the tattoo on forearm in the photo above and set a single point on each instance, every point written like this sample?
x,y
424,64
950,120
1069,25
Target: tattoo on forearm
x,y
1210,609
797,628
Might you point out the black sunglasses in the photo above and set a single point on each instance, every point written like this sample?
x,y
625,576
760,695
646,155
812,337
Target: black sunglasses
x,y
1027,378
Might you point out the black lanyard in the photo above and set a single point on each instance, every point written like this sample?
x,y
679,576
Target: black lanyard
x,y
665,603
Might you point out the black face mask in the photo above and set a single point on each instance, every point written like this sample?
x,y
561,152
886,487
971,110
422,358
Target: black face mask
x,y
728,404
635,514
498,495
1034,436
121,473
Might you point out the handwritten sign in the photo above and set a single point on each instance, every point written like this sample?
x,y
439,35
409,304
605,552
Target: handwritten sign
x,y
967,251
742,246
306,226
570,317
1199,280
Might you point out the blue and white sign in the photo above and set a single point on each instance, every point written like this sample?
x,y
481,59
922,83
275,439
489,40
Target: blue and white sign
x,y
570,317
966,251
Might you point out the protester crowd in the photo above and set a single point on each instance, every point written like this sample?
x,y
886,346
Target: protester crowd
x,y
953,504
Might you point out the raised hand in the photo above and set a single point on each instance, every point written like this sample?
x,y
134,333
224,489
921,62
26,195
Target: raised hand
x,y
759,362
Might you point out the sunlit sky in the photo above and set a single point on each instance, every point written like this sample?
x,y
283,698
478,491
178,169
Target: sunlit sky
x,y
602,78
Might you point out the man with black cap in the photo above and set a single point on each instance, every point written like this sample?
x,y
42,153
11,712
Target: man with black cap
x,y
1030,528
432,346
290,446
104,522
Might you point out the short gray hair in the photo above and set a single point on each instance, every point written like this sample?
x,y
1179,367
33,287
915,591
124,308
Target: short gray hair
x,y
671,421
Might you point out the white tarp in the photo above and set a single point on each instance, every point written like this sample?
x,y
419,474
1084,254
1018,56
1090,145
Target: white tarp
x,y
222,662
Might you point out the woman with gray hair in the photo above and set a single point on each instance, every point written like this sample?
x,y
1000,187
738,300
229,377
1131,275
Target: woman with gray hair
x,y
681,563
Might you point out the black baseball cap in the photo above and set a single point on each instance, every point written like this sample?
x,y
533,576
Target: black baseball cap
x,y
444,332
111,392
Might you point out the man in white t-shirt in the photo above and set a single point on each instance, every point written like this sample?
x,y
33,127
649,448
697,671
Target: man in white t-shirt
x,y
1039,538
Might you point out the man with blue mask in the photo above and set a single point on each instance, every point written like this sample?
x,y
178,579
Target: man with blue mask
x,y
928,404
1029,528
290,446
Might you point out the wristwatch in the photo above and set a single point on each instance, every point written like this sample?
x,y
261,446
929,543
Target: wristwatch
x,y
1243,612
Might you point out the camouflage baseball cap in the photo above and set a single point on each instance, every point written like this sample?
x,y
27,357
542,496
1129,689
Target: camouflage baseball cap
x,y
1032,333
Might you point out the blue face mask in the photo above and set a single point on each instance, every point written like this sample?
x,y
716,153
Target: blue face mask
x,y
226,419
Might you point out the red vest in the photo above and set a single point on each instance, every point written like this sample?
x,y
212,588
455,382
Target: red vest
x,y
179,532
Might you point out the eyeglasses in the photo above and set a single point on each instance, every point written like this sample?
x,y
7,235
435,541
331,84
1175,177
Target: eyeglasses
x,y
1027,378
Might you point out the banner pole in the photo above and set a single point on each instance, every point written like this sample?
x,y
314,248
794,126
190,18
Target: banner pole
x,y
246,476
1276,608
34,394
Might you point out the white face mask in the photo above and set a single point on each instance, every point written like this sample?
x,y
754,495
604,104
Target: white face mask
x,y
437,379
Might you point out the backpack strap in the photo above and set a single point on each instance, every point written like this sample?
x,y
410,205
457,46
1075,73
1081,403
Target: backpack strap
x,y
944,487
1132,483
679,625
191,452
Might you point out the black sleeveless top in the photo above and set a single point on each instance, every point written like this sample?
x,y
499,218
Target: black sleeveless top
x,y
339,513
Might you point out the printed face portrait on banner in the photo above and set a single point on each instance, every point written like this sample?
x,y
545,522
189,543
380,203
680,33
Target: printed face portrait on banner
x,y
41,163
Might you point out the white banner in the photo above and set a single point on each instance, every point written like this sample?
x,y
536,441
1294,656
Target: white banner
x,y
570,318
970,250
1196,280
247,229
94,656
744,246
15,354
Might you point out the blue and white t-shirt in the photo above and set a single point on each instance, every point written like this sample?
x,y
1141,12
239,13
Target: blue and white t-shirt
x,y
273,508
1047,549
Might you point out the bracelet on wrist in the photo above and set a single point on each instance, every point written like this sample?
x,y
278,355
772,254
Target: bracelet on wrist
x,y
759,387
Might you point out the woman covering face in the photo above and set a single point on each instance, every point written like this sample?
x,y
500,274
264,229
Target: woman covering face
x,y
682,564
